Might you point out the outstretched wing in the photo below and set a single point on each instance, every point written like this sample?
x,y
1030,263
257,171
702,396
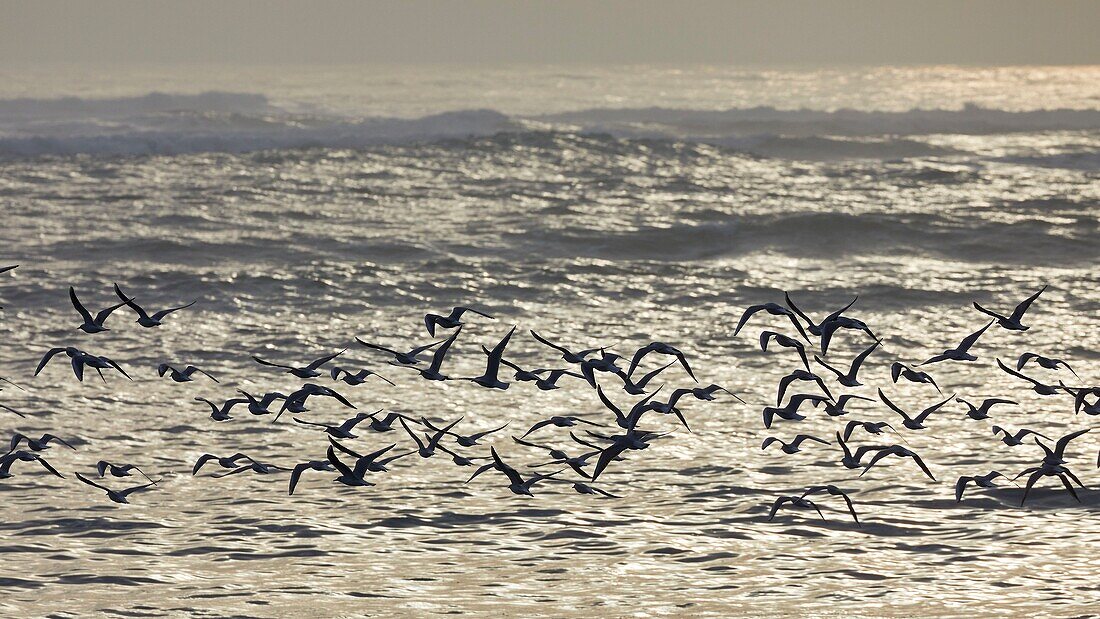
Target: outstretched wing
x,y
79,306
165,312
1022,308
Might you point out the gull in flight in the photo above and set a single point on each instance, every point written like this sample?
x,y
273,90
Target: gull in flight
x,y
184,375
1012,321
308,371
450,321
118,496
91,325
144,319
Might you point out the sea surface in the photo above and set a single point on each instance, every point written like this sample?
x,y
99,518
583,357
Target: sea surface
x,y
603,206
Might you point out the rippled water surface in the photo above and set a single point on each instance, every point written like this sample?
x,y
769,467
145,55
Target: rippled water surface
x,y
594,226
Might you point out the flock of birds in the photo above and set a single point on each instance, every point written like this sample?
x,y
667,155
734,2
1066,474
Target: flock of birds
x,y
598,440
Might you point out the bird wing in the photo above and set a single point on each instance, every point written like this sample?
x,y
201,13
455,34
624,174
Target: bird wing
x,y
1060,446
931,409
745,317
441,352
340,466
777,504
92,483
457,312
561,349
1024,358
638,356
79,306
858,361
165,312
390,350
493,365
828,367
130,302
989,312
269,363
1022,308
887,402
511,473
970,340
415,438
1017,374
607,455
46,359
960,487
316,363
922,466
46,465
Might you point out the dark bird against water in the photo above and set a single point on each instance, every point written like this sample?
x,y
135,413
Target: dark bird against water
x,y
80,360
811,326
981,481
145,319
358,378
90,324
40,444
308,371
184,375
662,349
23,456
849,378
917,422
786,342
901,452
1012,322
450,321
118,496
794,446
118,470
775,310
1036,386
982,410
899,370
1043,362
403,358
962,351
1013,440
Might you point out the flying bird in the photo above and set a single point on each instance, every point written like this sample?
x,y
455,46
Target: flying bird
x,y
358,378
981,481
962,351
403,358
1012,322
982,410
662,349
786,342
144,319
899,370
1043,362
90,324
775,310
901,452
917,422
118,496
849,378
184,375
308,371
794,446
450,321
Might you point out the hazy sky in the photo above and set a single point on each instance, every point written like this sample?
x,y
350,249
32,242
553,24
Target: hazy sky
x,y
778,32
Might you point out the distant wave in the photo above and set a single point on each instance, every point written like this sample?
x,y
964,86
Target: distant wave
x,y
160,123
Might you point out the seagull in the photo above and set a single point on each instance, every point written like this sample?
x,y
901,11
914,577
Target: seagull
x,y
427,449
794,446
118,470
118,496
80,360
464,440
1058,454
899,370
815,328
606,362
373,461
516,483
348,476
775,310
639,387
450,321
1012,440
182,376
403,358
1080,403
432,371
1037,387
962,351
626,421
566,354
550,381
794,501
631,439
837,409
312,465
295,402
221,413
790,410
259,468
981,481
566,421
843,322
386,423
41,444
341,431
982,411
850,379
492,368
802,375
577,463
145,319
583,488
91,325
358,378
1043,362
228,462
786,342
835,491
309,371
901,452
870,427
262,405
701,393
913,423
851,461
1051,470
1012,323
23,456
662,349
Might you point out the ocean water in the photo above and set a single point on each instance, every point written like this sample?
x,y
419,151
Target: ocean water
x,y
601,207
